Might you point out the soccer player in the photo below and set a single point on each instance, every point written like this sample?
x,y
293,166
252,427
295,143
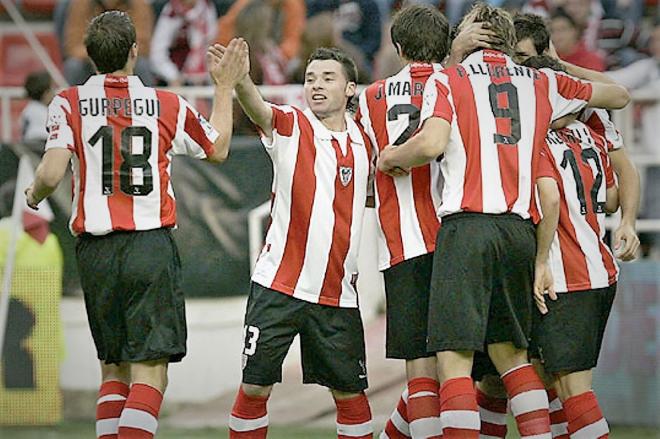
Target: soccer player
x,y
120,137
304,282
534,39
406,205
576,164
488,117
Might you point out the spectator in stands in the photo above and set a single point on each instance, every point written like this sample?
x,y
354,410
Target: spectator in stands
x,y
587,14
267,61
183,32
565,33
357,22
40,90
290,14
77,66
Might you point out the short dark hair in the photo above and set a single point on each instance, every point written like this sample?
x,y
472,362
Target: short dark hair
x,y
37,84
500,22
533,27
422,32
109,39
335,54
544,62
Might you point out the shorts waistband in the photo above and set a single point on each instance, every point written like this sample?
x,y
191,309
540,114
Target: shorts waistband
x,y
89,236
490,216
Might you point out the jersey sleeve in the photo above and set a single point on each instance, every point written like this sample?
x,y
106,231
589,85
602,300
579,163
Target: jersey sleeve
x,y
599,121
437,96
195,136
283,123
58,124
546,164
567,95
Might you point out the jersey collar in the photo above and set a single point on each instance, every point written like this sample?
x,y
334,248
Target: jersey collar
x,y
323,133
114,81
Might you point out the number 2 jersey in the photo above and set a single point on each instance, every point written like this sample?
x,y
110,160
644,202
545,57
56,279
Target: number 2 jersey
x,y
576,157
123,136
406,206
499,113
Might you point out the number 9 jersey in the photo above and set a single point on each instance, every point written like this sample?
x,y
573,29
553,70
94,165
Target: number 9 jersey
x,y
499,114
123,136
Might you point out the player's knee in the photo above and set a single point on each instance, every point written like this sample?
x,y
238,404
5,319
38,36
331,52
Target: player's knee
x,y
422,368
505,356
152,373
256,391
115,372
572,384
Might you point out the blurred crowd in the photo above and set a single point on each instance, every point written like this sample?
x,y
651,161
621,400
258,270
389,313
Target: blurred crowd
x,y
173,34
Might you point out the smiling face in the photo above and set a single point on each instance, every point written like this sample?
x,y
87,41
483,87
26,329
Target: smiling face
x,y
327,89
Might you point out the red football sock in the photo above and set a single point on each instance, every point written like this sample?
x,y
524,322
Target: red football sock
x,y
112,397
424,408
558,424
585,420
139,419
458,409
529,402
354,418
249,417
492,412
397,426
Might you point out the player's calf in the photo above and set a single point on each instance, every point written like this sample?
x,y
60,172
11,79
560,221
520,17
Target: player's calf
x,y
249,415
583,413
493,406
397,426
353,415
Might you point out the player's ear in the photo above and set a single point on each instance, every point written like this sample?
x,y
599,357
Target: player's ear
x,y
134,50
397,47
351,88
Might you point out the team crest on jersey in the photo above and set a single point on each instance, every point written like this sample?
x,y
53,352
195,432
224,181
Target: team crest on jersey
x,y
345,175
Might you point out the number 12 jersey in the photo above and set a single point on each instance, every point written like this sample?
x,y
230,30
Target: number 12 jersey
x,y
123,136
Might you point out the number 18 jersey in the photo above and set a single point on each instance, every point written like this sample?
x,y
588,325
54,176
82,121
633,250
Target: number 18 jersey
x,y
123,136
499,113
389,112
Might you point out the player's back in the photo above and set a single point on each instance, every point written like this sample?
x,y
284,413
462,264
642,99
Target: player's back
x,y
389,112
500,113
123,136
576,156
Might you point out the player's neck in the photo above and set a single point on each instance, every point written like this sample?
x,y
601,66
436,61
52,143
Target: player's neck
x,y
123,72
333,122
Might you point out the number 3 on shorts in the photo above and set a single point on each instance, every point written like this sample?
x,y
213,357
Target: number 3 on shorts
x,y
250,335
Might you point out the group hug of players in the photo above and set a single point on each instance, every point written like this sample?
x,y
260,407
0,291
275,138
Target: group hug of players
x,y
511,154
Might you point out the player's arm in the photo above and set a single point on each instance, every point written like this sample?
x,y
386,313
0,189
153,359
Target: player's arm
x,y
49,174
545,232
626,241
611,96
258,110
226,71
612,199
422,148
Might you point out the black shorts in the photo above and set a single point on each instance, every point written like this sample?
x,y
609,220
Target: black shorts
x,y
132,287
569,337
331,341
483,366
407,287
481,292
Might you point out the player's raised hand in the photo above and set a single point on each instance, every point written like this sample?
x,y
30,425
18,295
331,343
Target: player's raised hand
x,y
385,168
228,65
29,198
543,285
471,37
626,242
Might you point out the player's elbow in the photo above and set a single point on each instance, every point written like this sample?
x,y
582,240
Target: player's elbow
x,y
620,97
220,150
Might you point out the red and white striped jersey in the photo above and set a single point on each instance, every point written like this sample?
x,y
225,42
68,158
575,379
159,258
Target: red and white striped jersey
x,y
319,196
499,113
599,121
576,157
123,136
406,206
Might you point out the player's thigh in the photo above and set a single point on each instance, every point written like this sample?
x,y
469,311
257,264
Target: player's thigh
x,y
407,289
569,337
154,306
510,314
272,320
99,268
461,284
332,347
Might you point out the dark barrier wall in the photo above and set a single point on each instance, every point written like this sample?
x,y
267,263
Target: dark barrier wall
x,y
213,202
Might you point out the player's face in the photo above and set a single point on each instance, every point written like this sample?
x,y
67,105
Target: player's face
x,y
525,49
326,88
